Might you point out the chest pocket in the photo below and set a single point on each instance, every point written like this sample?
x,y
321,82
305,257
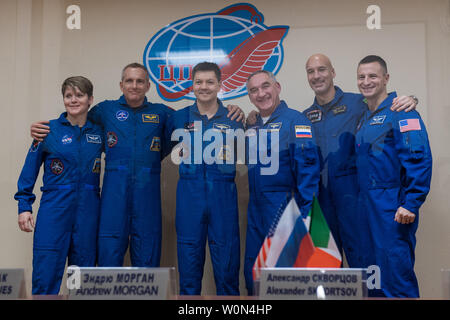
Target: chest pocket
x,y
150,126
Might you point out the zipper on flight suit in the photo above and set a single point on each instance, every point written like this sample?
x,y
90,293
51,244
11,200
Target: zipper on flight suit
x,y
132,177
203,160
80,164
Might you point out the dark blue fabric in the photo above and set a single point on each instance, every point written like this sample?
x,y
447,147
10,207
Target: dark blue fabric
x,y
207,207
297,174
394,169
136,139
334,127
67,220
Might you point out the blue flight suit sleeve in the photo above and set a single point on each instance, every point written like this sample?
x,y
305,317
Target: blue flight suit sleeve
x,y
95,114
304,162
414,153
28,176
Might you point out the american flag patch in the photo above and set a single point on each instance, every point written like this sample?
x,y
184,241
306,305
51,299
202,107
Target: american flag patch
x,y
303,132
409,125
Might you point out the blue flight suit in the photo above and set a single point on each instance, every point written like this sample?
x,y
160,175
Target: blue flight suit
x,y
334,126
207,206
394,169
67,220
135,143
298,173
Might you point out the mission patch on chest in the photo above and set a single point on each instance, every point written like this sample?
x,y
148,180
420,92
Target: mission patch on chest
x,y
150,118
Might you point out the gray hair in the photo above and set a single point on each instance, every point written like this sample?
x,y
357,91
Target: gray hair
x,y
268,73
135,65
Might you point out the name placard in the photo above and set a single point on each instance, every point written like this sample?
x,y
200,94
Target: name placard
x,y
120,283
12,284
312,284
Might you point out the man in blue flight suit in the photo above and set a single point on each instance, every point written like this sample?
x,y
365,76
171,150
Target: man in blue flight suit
x,y
334,116
131,198
207,207
136,138
67,220
296,169
394,165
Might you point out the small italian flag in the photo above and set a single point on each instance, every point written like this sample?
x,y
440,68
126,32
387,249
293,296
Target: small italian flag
x,y
326,253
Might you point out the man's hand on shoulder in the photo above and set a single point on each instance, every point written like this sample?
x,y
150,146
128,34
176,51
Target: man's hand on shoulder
x,y
39,130
251,119
404,103
235,113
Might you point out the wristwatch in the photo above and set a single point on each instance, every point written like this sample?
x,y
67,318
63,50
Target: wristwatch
x,y
415,99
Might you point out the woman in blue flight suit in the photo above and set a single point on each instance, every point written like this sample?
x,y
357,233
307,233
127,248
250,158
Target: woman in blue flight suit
x,y
67,222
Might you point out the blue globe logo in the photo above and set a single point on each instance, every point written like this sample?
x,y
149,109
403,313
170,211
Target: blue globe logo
x,y
235,38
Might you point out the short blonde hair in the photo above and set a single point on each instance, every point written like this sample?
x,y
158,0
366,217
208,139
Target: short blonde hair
x,y
83,84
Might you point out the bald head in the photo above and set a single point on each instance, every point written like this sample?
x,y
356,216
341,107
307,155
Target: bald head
x,y
320,73
319,58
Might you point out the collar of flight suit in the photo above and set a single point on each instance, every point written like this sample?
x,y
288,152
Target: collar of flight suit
x,y
123,102
63,121
337,97
221,111
386,103
275,114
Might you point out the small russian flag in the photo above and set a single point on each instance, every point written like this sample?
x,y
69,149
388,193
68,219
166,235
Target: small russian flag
x,y
409,125
303,132
288,243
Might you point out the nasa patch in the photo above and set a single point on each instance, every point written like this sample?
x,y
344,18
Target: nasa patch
x,y
66,139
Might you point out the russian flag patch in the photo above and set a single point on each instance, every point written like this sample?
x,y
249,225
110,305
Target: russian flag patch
x,y
409,125
303,132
